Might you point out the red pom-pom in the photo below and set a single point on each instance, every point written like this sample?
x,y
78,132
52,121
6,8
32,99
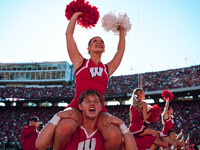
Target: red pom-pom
x,y
90,15
166,94
155,113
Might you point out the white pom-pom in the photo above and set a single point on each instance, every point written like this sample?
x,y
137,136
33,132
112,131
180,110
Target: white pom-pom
x,y
111,22
124,21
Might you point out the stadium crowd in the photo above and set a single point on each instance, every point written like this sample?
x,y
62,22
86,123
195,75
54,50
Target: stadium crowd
x,y
186,116
186,112
152,81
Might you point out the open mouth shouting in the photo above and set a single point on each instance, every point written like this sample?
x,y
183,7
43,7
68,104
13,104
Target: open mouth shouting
x,y
92,110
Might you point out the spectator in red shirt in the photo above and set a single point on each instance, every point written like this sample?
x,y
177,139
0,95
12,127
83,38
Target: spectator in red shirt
x,y
30,134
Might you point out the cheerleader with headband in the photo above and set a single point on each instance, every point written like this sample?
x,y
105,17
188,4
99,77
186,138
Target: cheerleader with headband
x,y
139,114
89,73
144,136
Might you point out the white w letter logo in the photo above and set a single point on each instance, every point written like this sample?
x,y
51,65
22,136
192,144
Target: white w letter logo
x,y
95,71
87,145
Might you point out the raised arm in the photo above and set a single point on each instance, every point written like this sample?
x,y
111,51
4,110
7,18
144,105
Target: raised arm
x,y
179,135
115,62
165,115
74,54
188,140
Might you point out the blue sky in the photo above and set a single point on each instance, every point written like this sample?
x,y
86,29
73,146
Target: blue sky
x,y
165,34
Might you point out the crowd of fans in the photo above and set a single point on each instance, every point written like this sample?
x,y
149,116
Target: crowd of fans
x,y
152,81
34,93
13,119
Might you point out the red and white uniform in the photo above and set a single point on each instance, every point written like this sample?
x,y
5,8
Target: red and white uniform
x,y
136,127
136,124
29,136
144,142
168,125
90,76
80,140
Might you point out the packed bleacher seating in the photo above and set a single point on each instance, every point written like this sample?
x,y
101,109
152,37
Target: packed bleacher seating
x,y
186,112
13,119
152,81
48,92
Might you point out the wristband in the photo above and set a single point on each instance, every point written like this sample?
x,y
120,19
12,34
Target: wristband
x,y
123,128
55,120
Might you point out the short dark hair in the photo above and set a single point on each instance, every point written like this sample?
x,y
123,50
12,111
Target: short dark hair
x,y
170,131
34,118
89,92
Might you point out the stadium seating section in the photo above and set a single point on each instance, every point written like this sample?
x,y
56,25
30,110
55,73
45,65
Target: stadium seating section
x,y
186,113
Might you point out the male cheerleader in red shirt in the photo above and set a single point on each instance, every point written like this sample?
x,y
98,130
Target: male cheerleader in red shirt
x,y
86,136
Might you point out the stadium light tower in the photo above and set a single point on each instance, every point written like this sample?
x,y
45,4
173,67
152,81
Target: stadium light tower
x,y
140,81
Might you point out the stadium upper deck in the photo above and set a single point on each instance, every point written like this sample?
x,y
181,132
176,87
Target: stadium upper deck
x,y
183,82
40,73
